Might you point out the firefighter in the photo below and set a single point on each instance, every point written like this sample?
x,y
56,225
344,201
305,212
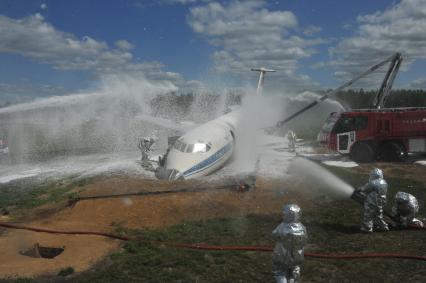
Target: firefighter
x,y
290,238
375,199
145,147
291,137
404,210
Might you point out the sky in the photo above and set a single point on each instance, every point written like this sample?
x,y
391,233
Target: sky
x,y
56,47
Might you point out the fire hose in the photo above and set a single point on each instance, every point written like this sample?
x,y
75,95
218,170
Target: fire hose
x,y
243,186
212,247
356,196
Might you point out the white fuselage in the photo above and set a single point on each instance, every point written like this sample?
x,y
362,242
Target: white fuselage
x,y
204,149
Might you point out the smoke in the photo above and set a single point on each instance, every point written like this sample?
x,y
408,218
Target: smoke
x,y
316,177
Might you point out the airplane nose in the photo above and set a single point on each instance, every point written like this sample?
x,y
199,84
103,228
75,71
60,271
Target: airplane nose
x,y
168,174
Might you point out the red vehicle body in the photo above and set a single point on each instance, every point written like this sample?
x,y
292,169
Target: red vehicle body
x,y
385,134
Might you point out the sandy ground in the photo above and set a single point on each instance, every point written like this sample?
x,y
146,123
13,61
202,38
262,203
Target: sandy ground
x,y
106,215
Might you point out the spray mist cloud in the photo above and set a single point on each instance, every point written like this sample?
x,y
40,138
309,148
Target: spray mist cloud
x,y
101,120
317,177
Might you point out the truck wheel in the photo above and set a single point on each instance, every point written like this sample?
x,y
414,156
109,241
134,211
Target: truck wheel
x,y
392,151
362,153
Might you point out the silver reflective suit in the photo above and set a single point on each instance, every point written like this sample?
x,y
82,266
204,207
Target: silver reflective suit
x,y
375,191
145,147
290,238
291,137
404,210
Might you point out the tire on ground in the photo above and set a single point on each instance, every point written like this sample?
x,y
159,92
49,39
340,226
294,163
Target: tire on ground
x,y
362,153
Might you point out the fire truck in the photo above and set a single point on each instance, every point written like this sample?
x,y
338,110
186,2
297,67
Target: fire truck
x,y
383,134
386,134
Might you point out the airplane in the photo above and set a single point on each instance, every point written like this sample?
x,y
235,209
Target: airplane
x,y
206,148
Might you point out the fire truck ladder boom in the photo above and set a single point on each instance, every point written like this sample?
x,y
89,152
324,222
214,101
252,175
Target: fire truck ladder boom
x,y
385,88
386,85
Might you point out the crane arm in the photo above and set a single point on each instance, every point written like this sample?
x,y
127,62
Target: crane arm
x,y
345,85
385,88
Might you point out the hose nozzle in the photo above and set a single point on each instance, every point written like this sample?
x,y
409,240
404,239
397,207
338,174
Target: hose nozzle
x,y
358,196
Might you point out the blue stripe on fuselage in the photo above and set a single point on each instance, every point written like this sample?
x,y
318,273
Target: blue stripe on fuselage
x,y
209,161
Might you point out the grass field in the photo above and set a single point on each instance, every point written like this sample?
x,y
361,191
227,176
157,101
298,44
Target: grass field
x,y
333,227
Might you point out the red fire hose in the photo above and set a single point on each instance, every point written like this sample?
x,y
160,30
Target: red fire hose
x,y
213,248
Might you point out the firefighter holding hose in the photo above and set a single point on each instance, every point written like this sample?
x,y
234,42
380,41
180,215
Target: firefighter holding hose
x,y
290,238
374,193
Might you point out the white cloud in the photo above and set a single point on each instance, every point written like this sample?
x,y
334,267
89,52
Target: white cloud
x,y
248,35
43,6
400,28
34,38
124,45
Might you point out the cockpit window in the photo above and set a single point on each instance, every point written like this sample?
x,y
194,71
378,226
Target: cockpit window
x,y
192,148
180,146
201,147
198,147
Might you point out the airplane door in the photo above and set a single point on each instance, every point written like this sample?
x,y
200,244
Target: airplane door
x,y
345,141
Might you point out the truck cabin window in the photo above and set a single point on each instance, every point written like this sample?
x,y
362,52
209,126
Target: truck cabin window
x,y
348,124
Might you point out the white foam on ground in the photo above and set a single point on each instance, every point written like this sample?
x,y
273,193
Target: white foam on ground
x,y
337,163
421,162
77,166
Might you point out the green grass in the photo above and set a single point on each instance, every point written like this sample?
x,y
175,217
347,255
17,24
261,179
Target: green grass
x,y
23,194
66,271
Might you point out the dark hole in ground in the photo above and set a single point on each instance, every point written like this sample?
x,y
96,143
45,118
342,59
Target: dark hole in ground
x,y
38,251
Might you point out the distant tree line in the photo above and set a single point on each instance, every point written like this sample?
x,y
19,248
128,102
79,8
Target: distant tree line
x,y
361,99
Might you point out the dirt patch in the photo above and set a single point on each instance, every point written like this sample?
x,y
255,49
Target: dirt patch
x,y
106,215
80,252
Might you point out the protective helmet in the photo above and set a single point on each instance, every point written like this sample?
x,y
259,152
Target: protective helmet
x,y
406,199
291,213
376,173
402,197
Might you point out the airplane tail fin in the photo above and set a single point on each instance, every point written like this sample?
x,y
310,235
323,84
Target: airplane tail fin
x,y
262,71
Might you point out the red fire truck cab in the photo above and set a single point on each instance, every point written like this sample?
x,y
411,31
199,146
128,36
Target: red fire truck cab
x,y
382,134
